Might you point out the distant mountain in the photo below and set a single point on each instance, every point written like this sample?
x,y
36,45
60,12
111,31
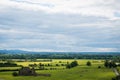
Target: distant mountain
x,y
13,51
82,53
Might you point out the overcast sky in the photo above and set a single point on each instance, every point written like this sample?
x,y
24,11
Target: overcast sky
x,y
60,25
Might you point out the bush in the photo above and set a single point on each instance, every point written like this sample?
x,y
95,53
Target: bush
x,y
99,67
113,79
62,65
57,64
68,66
60,61
88,63
15,74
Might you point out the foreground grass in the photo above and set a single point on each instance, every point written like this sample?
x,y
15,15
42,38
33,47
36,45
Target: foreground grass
x,y
81,72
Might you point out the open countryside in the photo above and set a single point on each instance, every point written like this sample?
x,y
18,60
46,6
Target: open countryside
x,y
58,71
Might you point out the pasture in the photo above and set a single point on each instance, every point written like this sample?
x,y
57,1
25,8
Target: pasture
x,y
81,72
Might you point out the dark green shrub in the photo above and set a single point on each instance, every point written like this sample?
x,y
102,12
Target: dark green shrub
x,y
99,67
15,74
88,63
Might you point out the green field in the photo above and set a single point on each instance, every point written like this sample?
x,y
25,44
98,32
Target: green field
x,y
81,72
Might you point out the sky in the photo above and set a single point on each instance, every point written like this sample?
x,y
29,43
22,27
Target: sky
x,y
60,25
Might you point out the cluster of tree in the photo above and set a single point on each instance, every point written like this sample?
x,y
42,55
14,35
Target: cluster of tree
x,y
35,65
41,66
116,78
72,64
15,74
8,64
117,59
110,64
55,55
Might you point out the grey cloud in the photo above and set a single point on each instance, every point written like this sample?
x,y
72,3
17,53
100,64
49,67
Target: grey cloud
x,y
54,31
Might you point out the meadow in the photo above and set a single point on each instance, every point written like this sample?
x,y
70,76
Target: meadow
x,y
81,72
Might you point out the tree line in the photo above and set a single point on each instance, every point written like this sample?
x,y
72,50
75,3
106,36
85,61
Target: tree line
x,y
59,56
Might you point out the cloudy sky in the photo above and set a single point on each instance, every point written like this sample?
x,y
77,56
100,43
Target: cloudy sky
x,y
60,25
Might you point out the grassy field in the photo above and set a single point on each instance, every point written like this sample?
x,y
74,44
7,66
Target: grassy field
x,y
55,61
81,72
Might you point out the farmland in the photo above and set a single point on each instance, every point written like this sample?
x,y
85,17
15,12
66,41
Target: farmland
x,y
81,72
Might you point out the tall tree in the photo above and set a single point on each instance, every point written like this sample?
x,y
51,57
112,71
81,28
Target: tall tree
x,y
88,63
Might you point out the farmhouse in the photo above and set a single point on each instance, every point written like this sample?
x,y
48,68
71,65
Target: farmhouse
x,y
26,71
